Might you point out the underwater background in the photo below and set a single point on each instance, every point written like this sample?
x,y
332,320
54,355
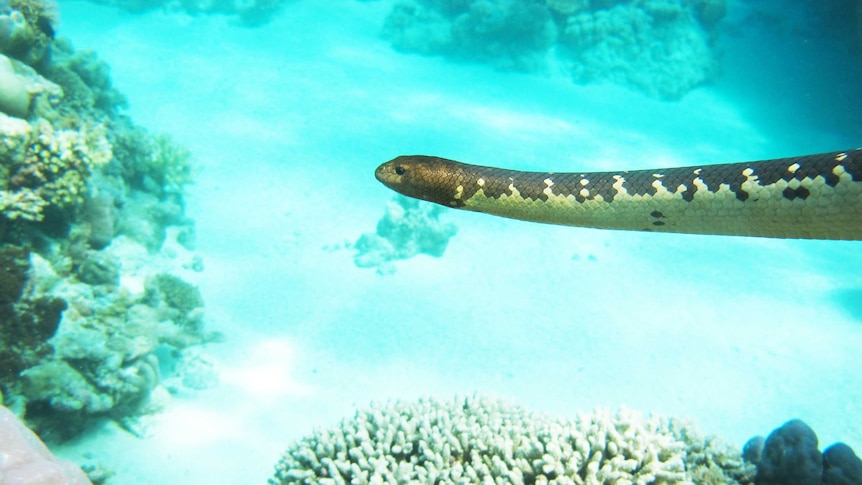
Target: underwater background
x,y
256,284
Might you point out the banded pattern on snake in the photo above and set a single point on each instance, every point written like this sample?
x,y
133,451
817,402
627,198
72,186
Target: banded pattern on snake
x,y
810,197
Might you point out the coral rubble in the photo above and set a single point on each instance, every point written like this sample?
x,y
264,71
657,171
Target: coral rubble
x,y
662,48
481,440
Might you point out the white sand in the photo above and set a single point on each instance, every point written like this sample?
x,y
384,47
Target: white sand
x,y
288,122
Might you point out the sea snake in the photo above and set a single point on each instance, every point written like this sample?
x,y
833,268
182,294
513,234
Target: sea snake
x,y
810,197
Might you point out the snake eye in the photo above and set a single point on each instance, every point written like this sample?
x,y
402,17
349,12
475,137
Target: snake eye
x,y
399,170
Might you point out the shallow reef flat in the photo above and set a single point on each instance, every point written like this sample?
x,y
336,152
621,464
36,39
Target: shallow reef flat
x,y
107,312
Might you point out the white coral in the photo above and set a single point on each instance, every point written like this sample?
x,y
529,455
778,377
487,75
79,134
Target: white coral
x,y
481,440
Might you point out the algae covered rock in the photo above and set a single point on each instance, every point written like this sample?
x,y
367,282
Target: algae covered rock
x,y
99,268
841,466
790,454
27,30
27,322
103,361
178,295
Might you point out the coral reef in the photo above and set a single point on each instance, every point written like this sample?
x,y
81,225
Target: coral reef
x,y
481,440
27,30
26,323
103,361
93,239
408,228
790,454
659,48
508,34
86,83
155,164
182,298
662,48
27,461
54,168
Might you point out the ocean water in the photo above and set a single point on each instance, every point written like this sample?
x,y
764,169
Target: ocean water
x,y
288,121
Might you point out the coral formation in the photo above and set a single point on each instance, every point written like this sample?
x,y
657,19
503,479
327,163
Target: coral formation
x,y
181,297
662,48
481,440
155,164
54,169
27,30
408,228
508,34
91,208
26,322
790,454
657,48
103,360
841,466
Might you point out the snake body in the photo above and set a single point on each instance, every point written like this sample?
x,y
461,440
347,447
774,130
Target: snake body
x,y
810,197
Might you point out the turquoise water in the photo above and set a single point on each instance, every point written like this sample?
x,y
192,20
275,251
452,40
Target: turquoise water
x,y
288,121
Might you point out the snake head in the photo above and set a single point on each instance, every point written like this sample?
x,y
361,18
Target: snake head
x,y
427,178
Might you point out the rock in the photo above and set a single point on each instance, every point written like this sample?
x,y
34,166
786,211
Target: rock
x,y
790,456
99,214
753,449
14,265
14,97
841,466
27,461
99,268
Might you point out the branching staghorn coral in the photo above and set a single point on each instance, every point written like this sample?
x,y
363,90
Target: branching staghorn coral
x,y
481,440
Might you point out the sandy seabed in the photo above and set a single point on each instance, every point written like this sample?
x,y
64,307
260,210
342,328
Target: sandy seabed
x,y
288,122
